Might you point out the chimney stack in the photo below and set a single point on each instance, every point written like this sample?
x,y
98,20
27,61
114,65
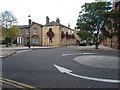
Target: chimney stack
x,y
47,20
57,20
69,25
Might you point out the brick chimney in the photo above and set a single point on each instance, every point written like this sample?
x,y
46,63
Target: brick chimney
x,y
58,20
47,20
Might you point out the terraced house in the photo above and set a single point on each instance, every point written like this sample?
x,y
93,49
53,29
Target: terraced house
x,y
51,34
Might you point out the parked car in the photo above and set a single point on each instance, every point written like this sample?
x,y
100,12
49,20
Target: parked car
x,y
91,43
83,43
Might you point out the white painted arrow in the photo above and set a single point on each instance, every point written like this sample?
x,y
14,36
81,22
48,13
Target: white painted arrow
x,y
67,71
62,70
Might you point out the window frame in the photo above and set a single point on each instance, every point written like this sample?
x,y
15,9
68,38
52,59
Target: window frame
x,y
35,40
27,31
20,33
35,31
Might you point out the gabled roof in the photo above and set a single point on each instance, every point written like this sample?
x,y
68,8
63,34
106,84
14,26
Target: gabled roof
x,y
37,24
53,23
27,26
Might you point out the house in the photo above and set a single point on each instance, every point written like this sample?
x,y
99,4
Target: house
x,y
51,34
35,34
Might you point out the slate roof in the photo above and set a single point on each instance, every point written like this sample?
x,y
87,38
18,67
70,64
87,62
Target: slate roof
x,y
26,26
23,26
53,23
37,24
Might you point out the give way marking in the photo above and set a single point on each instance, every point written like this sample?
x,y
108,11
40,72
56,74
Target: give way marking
x,y
67,71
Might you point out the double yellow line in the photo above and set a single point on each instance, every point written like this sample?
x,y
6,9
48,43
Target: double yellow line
x,y
14,83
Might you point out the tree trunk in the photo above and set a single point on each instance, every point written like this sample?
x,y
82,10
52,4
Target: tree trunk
x,y
119,32
7,44
96,41
111,43
96,45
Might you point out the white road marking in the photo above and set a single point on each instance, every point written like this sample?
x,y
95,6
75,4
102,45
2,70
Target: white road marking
x,y
89,53
78,54
70,54
67,71
61,69
22,51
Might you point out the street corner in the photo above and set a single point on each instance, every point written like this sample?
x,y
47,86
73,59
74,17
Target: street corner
x,y
6,53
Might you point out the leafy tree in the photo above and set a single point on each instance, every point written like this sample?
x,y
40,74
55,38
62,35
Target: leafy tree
x,y
84,35
7,19
8,28
112,26
93,18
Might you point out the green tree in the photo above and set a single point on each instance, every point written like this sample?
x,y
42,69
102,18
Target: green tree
x,y
9,29
93,17
84,35
7,19
112,26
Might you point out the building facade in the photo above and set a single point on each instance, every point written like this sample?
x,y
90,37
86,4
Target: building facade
x,y
51,34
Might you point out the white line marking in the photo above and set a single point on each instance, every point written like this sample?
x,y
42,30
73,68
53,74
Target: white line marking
x,y
70,54
22,51
78,54
95,79
89,53
67,71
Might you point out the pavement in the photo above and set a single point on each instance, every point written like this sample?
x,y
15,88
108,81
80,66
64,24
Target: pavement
x,y
7,51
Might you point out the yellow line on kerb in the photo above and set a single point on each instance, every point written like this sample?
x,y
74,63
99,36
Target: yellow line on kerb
x,y
15,82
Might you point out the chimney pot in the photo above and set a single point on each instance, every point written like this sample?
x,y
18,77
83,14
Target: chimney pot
x,y
69,25
58,20
47,20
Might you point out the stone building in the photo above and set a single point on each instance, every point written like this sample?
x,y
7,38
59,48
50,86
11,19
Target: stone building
x,y
35,34
51,34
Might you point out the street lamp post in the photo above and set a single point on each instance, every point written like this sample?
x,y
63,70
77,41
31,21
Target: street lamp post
x,y
29,20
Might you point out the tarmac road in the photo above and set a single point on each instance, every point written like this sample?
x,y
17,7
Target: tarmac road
x,y
36,68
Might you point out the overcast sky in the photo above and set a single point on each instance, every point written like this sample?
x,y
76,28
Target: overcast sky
x,y
66,10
